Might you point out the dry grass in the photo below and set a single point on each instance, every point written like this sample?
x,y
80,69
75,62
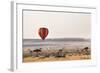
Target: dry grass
x,y
42,59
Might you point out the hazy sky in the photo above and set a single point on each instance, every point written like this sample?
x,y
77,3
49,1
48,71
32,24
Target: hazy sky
x,y
60,25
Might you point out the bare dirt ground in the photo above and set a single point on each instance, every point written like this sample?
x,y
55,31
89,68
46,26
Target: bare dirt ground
x,y
66,58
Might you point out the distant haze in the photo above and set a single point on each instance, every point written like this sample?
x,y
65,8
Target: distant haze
x,y
74,43
59,24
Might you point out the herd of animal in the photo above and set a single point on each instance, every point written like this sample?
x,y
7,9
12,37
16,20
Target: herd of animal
x,y
58,53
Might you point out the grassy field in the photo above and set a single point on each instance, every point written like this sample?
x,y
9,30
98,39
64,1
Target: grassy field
x,y
66,58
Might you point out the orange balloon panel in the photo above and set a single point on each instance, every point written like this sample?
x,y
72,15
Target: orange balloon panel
x,y
43,32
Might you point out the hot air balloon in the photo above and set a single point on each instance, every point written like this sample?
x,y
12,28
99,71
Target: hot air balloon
x,y
43,32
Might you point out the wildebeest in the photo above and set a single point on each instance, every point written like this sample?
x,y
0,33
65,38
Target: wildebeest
x,y
37,51
60,53
85,51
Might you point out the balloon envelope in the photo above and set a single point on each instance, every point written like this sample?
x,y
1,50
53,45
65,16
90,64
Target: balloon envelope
x,y
43,32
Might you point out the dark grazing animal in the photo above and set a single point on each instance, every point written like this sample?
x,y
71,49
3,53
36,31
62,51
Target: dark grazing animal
x,y
37,51
60,53
85,51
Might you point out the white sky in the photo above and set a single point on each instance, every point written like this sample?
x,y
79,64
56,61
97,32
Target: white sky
x,y
60,25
